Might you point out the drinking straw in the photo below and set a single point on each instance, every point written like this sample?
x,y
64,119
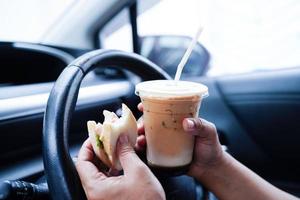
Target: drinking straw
x,y
187,54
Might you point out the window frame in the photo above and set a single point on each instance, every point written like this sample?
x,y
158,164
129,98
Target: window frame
x,y
132,10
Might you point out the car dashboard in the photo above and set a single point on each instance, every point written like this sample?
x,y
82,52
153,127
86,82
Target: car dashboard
x,y
23,100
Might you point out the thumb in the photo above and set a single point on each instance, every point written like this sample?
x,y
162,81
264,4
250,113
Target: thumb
x,y
128,158
200,127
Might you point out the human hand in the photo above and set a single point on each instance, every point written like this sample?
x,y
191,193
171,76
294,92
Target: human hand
x,y
140,145
138,182
208,151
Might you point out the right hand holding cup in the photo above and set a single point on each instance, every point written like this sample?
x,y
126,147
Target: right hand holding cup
x,y
208,151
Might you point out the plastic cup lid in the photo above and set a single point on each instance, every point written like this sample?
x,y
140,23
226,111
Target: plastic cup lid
x,y
169,88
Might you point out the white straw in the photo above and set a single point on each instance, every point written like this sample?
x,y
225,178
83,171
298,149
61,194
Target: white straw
x,y
187,54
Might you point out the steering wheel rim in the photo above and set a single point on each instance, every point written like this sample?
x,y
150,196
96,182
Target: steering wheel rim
x,y
62,177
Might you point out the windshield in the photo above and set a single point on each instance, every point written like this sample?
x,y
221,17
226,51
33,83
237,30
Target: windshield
x,y
241,36
29,21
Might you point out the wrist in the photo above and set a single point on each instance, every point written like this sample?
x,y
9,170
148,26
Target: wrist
x,y
219,164
223,163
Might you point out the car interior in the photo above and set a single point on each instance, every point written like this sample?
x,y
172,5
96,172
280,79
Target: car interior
x,y
50,89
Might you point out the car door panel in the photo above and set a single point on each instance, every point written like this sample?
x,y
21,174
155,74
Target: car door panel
x,y
231,132
258,117
268,106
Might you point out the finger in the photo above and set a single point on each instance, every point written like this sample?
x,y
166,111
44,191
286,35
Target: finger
x,y
86,152
140,125
141,140
140,107
87,171
140,143
128,158
199,127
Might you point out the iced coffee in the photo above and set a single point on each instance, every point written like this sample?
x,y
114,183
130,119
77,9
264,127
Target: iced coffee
x,y
166,103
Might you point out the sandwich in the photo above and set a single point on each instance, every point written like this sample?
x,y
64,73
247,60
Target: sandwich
x,y
104,136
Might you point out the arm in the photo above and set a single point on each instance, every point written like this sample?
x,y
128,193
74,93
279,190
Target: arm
x,y
222,174
232,180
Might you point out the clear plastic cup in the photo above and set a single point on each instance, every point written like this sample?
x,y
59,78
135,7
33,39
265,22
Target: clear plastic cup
x,y
166,103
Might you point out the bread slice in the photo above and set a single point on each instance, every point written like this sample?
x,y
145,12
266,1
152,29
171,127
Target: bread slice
x,y
104,136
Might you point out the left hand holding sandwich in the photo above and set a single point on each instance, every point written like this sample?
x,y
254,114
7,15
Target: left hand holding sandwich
x,y
138,182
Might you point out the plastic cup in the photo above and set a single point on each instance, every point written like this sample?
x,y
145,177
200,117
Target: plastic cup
x,y
166,103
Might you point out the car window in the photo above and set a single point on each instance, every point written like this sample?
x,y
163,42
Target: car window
x,y
241,36
116,34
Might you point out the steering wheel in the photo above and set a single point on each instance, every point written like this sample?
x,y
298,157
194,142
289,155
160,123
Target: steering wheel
x,y
62,177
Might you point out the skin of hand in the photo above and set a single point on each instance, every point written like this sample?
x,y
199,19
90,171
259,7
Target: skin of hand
x,y
138,182
208,151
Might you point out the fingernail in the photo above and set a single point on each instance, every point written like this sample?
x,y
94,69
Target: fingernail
x,y
123,139
189,124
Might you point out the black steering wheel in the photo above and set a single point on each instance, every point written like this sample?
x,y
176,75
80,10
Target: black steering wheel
x,y
62,177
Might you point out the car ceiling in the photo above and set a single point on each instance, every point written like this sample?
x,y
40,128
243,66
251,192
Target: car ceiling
x,y
86,14
91,16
